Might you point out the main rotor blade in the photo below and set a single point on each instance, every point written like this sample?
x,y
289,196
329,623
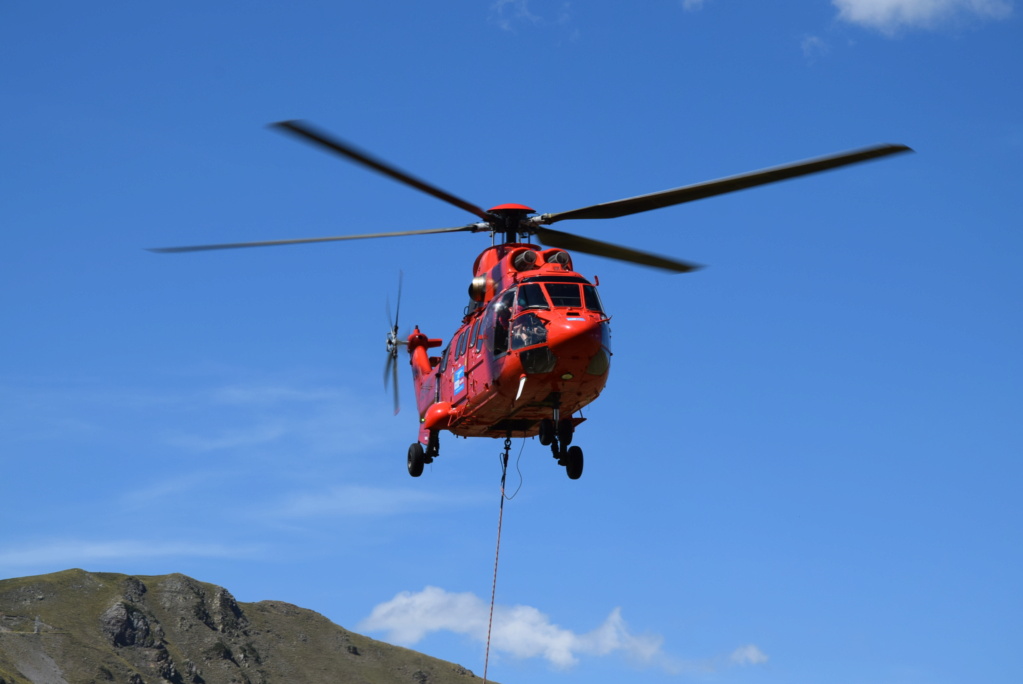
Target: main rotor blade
x,y
303,130
555,238
394,379
689,193
299,241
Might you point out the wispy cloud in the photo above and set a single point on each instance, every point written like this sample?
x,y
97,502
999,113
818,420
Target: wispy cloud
x,y
890,16
508,13
526,632
76,553
814,47
692,5
294,415
511,14
358,500
256,394
748,655
259,414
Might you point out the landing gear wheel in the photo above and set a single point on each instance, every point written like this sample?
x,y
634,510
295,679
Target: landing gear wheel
x,y
573,462
548,432
416,459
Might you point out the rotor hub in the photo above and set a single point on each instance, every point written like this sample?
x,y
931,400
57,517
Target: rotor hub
x,y
510,220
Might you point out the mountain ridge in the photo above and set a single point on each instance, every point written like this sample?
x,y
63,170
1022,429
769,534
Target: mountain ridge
x,y
80,627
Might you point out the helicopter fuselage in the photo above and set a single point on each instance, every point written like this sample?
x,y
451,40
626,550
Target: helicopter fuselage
x,y
535,342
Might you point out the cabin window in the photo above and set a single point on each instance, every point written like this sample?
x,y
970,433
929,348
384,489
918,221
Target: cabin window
x,y
531,297
527,330
592,299
502,317
444,359
462,342
564,294
474,338
484,323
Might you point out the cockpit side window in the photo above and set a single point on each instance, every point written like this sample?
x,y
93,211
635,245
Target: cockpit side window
x,y
592,300
564,294
527,330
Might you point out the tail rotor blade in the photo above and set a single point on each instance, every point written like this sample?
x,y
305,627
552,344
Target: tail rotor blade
x,y
391,378
394,379
397,308
387,370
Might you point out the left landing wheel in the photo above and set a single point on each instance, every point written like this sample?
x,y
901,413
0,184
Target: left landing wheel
x,y
416,459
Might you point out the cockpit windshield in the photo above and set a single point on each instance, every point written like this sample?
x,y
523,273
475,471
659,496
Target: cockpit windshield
x,y
564,294
531,297
562,291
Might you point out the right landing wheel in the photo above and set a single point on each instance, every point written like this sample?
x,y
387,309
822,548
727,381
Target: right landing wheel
x,y
416,459
574,462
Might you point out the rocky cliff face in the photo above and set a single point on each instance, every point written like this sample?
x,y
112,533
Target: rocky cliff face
x,y
77,627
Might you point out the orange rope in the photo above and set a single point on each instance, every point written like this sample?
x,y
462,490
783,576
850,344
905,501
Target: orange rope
x,y
497,556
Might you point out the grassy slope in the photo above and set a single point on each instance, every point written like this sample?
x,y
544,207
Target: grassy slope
x,y
105,627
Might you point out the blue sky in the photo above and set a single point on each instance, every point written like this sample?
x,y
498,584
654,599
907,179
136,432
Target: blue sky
x,y
806,464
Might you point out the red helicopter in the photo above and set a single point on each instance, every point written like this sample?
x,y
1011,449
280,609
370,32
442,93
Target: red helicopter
x,y
533,347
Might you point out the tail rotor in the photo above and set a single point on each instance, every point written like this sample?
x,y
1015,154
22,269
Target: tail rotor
x,y
394,342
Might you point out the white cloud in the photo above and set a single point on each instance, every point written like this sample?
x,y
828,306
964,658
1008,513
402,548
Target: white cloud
x,y
888,16
525,632
521,631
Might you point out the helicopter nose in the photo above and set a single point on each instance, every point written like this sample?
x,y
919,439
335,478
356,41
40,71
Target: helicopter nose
x,y
575,337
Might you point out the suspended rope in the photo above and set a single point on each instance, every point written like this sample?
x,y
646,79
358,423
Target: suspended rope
x,y
497,554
